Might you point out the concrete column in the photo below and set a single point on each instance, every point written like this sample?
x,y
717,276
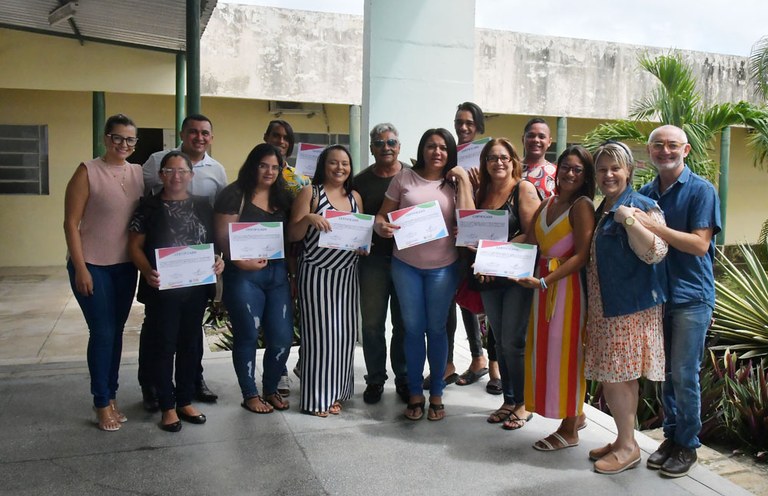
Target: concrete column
x,y
722,186
562,135
181,72
418,64
193,57
99,119
354,138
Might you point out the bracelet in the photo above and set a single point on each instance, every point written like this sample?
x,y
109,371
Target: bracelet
x,y
291,276
542,283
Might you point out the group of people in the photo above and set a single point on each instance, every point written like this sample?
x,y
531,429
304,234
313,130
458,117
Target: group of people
x,y
621,291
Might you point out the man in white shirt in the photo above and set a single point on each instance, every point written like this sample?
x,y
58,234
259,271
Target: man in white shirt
x,y
210,178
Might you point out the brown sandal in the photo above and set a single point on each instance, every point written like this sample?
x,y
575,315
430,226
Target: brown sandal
x,y
500,415
265,407
335,408
277,401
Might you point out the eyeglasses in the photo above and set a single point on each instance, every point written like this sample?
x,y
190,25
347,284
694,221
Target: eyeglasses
x,y
178,172
459,123
495,158
268,167
118,140
672,146
577,171
380,143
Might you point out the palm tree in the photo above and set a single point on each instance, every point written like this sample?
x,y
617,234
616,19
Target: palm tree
x,y
758,68
677,101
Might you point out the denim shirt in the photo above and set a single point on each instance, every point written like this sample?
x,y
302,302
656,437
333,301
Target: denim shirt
x,y
627,284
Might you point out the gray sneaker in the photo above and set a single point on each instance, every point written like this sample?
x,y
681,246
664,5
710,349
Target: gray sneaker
x,y
284,385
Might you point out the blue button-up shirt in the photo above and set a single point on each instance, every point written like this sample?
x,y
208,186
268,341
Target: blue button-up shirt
x,y
688,204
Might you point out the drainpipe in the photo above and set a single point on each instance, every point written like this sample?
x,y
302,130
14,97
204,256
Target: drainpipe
x,y
99,118
193,57
562,135
181,69
354,138
725,154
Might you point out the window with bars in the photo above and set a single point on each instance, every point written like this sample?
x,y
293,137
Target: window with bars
x,y
23,160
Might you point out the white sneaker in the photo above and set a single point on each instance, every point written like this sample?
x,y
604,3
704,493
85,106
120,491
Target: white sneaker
x,y
284,385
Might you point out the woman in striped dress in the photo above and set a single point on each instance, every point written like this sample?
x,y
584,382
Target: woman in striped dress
x,y
328,287
554,355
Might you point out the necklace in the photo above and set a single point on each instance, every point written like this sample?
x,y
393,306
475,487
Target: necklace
x,y
122,178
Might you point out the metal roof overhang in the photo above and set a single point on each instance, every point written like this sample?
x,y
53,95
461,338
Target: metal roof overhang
x,y
146,24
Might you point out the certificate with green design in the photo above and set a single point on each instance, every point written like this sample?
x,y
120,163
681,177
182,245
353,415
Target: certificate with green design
x,y
500,259
183,266
475,225
349,231
251,240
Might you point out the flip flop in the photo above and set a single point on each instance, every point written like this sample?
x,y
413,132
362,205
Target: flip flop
x,y
471,376
546,445
436,412
415,406
499,415
519,422
244,404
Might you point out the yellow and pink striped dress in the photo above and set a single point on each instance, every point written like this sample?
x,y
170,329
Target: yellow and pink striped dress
x,y
554,352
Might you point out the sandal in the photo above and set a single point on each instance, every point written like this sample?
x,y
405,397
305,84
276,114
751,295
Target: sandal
x,y
105,420
418,408
318,414
436,412
494,387
500,415
262,406
277,401
553,442
335,408
471,376
119,416
514,422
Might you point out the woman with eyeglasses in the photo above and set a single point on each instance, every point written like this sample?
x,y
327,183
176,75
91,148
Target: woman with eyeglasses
x,y
98,204
426,275
328,287
257,292
507,304
173,317
624,337
554,355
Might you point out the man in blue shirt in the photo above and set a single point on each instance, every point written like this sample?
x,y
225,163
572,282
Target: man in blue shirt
x,y
692,212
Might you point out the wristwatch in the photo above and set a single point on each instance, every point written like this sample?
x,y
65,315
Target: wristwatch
x,y
629,221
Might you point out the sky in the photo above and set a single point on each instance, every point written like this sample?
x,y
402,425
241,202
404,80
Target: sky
x,y
704,25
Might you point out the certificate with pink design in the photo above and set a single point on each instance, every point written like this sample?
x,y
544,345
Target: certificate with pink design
x,y
475,225
418,224
349,231
502,259
183,266
251,240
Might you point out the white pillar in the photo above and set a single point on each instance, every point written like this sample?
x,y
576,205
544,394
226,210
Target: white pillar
x,y
418,65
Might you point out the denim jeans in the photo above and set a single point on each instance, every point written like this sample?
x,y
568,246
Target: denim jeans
x,y
685,328
105,312
174,326
259,299
376,293
508,310
425,296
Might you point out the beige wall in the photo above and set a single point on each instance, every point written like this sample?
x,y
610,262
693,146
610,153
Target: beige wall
x,y
33,224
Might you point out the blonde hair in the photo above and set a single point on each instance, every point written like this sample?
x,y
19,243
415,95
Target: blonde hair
x,y
618,151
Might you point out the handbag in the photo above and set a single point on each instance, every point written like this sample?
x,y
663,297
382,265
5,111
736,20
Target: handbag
x,y
469,298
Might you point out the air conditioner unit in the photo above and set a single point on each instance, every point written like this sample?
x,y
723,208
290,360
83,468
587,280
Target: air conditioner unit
x,y
278,107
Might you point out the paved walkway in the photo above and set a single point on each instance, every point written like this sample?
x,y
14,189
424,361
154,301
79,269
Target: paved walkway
x,y
50,444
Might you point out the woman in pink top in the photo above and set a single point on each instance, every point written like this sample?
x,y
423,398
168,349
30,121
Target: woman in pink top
x,y
99,202
426,275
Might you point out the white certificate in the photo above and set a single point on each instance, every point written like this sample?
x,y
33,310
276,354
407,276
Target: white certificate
x,y
418,224
249,240
469,153
475,225
349,231
306,158
182,266
502,259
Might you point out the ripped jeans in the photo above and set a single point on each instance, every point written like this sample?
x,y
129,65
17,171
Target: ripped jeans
x,y
259,300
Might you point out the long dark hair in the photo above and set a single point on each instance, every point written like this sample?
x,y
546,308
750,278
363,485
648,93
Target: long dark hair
x,y
453,158
477,115
248,177
588,188
319,177
485,177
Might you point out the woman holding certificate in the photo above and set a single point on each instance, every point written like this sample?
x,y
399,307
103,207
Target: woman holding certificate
x,y
624,337
507,303
257,291
99,202
328,287
173,317
426,275
554,355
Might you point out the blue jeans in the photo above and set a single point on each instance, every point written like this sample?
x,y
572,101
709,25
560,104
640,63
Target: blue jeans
x,y
425,296
685,328
508,310
105,312
259,299
376,293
